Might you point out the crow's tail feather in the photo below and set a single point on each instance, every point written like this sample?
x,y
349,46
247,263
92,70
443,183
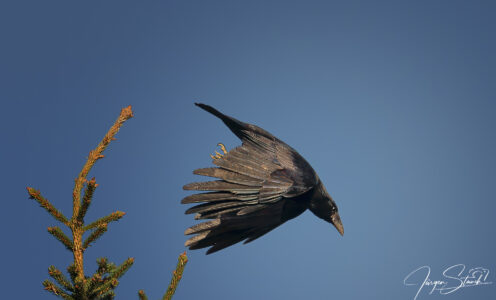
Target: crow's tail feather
x,y
236,126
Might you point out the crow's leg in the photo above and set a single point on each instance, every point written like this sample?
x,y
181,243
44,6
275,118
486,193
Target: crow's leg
x,y
217,154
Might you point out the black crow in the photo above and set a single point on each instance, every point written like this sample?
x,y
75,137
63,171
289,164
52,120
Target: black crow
x,y
262,184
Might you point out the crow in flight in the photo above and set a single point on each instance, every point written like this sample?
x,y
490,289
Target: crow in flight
x,y
262,184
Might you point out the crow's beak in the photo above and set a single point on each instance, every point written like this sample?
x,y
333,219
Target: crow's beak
x,y
336,221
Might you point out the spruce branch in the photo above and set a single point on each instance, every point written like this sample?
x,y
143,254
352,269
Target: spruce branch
x,y
142,295
71,269
102,283
88,195
60,278
103,265
93,282
94,155
60,235
176,276
97,279
113,217
57,291
108,295
102,289
79,288
35,194
122,269
97,233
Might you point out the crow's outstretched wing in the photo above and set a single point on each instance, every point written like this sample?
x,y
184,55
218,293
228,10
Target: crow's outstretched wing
x,y
259,187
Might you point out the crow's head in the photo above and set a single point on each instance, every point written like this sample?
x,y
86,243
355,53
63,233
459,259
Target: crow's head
x,y
336,220
322,205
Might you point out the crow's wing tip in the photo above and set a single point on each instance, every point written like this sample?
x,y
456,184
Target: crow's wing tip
x,y
189,186
202,105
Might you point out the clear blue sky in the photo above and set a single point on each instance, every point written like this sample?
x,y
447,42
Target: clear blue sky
x,y
393,104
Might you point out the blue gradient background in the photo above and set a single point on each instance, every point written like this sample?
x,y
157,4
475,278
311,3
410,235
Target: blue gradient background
x,y
393,103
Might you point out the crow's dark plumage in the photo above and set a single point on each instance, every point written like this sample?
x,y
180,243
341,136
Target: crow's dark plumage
x,y
262,184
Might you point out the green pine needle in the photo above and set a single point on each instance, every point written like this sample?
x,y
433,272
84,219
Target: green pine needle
x,y
60,278
122,269
142,295
176,276
88,196
35,194
60,235
113,217
97,233
57,291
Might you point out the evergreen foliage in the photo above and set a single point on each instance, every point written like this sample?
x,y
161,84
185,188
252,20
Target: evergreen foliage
x,y
102,284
